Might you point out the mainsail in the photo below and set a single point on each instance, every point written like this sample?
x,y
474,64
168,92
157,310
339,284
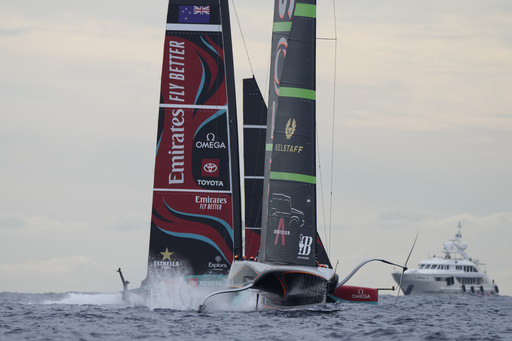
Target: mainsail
x,y
196,217
286,272
255,117
255,129
289,224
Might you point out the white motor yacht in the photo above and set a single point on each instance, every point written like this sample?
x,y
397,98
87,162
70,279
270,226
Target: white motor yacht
x,y
454,273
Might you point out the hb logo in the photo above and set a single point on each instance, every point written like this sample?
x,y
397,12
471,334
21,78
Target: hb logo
x,y
305,245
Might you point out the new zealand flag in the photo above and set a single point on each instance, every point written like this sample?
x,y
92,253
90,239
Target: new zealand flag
x,y
194,14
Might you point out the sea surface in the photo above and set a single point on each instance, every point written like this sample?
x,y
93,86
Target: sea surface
x,y
90,316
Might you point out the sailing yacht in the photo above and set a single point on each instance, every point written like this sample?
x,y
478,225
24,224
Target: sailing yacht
x,y
286,271
196,215
196,225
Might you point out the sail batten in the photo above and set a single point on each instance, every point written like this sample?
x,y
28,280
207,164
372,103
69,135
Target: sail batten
x,y
293,177
305,10
193,106
282,26
289,204
297,93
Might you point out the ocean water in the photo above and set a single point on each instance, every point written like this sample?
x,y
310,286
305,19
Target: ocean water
x,y
81,316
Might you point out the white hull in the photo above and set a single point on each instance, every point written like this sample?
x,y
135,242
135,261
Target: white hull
x,y
436,284
455,273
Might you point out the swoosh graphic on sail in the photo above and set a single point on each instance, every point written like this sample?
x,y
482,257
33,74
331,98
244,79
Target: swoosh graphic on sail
x,y
210,47
194,236
206,89
211,118
203,79
207,220
201,84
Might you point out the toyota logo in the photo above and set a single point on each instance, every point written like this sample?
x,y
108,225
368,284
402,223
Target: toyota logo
x,y
210,167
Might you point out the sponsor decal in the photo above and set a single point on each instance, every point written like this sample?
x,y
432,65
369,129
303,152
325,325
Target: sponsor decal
x,y
210,143
210,203
286,7
211,283
217,266
291,125
361,295
281,232
281,47
289,131
177,152
176,71
211,183
288,148
305,245
210,168
166,261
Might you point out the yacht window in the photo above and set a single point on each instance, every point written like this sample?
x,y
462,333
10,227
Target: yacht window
x,y
422,266
427,266
434,266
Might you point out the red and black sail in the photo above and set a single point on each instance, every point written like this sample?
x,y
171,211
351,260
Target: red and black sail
x,y
196,218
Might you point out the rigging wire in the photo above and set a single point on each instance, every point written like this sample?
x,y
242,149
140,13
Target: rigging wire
x,y
328,225
333,119
243,38
263,95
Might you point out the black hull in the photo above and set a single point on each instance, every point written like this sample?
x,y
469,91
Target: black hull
x,y
284,286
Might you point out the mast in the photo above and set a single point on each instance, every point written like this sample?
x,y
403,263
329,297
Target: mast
x,y
289,198
196,216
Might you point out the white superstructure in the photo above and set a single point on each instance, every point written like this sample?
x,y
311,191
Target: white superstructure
x,y
455,273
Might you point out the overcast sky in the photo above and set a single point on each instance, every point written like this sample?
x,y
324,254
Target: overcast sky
x,y
422,134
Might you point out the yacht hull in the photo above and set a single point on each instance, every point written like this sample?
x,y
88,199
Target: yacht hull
x,y
435,284
284,286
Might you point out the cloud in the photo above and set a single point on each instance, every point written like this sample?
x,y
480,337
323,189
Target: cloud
x,y
13,221
17,221
46,268
52,275
406,215
129,221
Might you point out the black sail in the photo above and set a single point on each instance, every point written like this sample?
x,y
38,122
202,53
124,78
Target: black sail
x,y
196,216
255,128
289,198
